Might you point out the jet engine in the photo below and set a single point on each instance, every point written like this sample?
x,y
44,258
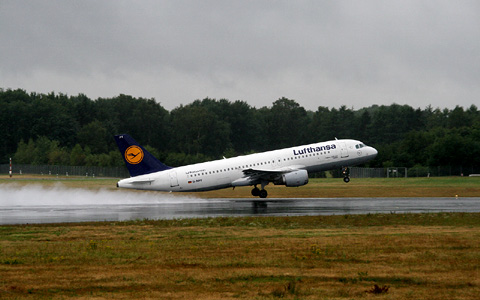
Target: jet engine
x,y
295,178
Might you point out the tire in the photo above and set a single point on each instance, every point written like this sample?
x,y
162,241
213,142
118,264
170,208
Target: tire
x,y
263,194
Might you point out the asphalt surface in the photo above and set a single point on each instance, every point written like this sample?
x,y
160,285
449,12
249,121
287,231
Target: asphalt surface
x,y
180,208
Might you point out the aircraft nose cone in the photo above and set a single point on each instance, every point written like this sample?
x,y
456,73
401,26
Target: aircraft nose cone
x,y
374,152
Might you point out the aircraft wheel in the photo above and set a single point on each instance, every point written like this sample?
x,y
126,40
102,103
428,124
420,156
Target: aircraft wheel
x,y
255,192
263,194
346,179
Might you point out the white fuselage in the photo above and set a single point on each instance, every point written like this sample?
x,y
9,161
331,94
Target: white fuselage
x,y
229,172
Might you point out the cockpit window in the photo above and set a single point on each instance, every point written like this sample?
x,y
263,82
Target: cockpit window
x,y
358,146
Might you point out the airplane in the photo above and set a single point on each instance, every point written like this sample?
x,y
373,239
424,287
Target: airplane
x,y
289,167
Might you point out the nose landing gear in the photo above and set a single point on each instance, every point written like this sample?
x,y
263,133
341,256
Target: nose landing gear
x,y
346,174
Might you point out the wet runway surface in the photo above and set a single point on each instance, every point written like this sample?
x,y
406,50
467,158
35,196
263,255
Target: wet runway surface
x,y
182,207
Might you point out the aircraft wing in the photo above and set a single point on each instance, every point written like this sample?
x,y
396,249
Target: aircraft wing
x,y
264,172
256,176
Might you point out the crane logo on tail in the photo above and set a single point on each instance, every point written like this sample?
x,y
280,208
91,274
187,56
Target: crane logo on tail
x,y
134,155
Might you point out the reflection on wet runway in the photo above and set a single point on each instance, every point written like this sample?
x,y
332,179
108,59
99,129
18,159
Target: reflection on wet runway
x,y
182,207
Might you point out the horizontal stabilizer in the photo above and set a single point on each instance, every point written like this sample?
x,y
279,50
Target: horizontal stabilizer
x,y
143,181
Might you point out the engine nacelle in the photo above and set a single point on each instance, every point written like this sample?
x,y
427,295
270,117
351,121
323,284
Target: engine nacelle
x,y
295,178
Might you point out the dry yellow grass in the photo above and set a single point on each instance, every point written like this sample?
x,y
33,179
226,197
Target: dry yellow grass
x,y
434,256
317,188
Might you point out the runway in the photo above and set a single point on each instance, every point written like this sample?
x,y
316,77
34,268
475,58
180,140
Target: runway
x,y
182,207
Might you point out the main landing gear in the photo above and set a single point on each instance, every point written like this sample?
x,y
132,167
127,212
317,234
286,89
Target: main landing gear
x,y
262,193
346,174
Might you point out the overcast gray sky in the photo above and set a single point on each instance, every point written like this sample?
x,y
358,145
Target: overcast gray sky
x,y
320,53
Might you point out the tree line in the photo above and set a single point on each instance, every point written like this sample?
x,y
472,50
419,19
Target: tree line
x,y
59,129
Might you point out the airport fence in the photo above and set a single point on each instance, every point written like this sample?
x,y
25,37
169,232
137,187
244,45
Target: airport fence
x,y
417,171
355,172
116,172
420,171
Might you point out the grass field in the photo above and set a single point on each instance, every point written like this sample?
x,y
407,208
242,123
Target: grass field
x,y
412,256
316,188
376,256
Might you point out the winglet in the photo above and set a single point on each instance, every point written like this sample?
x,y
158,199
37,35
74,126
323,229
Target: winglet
x,y
138,160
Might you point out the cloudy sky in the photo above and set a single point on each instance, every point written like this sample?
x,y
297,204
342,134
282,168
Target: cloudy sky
x,y
319,53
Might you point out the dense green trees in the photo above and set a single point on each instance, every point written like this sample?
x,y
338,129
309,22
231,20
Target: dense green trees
x,y
75,130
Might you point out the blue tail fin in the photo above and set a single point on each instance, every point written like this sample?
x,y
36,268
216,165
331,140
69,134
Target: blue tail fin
x,y
138,160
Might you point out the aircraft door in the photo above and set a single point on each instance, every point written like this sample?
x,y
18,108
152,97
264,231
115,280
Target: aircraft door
x,y
173,179
343,149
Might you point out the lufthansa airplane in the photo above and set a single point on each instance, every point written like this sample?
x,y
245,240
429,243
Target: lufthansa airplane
x,y
289,167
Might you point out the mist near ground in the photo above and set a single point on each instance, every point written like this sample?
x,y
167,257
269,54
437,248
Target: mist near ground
x,y
38,195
